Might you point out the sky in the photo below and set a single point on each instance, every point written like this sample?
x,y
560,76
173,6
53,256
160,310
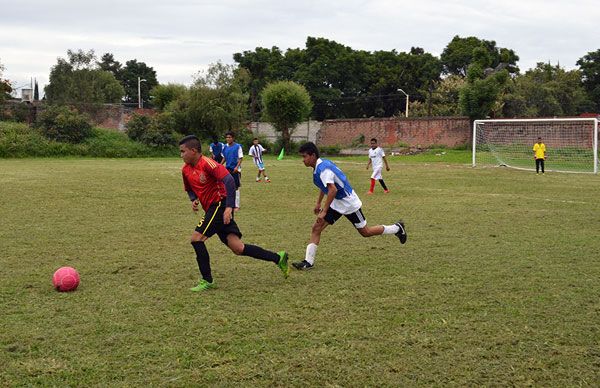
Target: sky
x,y
180,38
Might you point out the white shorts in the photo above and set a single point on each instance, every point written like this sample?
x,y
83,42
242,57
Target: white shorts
x,y
376,174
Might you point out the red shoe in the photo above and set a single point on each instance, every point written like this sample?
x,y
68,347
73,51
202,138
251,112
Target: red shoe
x,y
267,181
369,192
386,191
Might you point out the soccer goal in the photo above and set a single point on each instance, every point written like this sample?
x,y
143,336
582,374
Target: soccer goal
x,y
571,144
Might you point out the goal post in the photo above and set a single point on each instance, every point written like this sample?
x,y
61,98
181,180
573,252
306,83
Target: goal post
x,y
571,143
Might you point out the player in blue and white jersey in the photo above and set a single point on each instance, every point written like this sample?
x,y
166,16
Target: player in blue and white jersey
x,y
233,155
256,151
340,200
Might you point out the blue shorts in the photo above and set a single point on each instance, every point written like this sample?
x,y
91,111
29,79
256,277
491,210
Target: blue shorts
x,y
260,165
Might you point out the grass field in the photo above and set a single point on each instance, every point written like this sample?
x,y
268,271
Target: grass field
x,y
498,283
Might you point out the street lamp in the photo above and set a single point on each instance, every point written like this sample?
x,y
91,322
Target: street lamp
x,y
140,104
406,110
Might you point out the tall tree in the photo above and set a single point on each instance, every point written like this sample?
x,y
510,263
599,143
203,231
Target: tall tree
x,y
5,87
460,53
262,65
108,63
129,79
36,92
215,103
546,91
78,80
286,104
480,95
589,65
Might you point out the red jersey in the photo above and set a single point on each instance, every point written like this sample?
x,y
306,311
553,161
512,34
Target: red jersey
x,y
206,180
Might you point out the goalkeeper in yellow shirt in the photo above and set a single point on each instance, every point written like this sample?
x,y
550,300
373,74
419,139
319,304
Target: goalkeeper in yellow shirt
x,y
539,154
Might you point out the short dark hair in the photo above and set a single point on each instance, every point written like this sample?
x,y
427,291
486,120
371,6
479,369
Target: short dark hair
x,y
191,142
309,148
373,139
229,133
256,138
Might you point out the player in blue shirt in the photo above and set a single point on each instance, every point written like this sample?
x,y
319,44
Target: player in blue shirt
x,y
216,150
233,155
340,200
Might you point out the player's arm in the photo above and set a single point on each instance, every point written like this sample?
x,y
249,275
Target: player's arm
x,y
387,166
317,208
369,163
191,194
221,173
331,192
240,157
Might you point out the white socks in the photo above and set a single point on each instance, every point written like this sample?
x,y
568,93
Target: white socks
x,y
311,252
390,229
237,198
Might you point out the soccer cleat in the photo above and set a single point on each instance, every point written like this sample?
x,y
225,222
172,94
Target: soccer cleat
x,y
267,180
401,234
386,191
203,285
302,265
369,192
258,180
283,263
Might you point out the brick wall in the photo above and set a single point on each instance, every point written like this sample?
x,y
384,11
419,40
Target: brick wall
x,y
423,132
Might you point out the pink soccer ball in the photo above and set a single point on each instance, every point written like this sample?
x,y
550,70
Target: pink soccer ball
x,y
65,279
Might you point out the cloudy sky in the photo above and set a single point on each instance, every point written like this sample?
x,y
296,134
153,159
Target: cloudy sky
x,y
179,38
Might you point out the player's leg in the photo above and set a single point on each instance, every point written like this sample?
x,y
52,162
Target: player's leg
x,y
537,166
231,236
360,223
382,183
315,238
207,226
542,165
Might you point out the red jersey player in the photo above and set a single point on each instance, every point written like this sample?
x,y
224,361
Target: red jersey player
x,y
210,185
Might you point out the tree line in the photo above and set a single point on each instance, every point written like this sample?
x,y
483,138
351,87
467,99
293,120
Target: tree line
x,y
472,77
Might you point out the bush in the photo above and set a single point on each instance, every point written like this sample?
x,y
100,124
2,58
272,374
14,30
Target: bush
x,y
137,126
155,131
63,124
20,140
330,150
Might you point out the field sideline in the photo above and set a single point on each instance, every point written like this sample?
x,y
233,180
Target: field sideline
x,y
497,284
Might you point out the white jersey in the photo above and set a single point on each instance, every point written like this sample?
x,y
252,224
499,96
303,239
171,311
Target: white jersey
x,y
376,156
256,152
347,205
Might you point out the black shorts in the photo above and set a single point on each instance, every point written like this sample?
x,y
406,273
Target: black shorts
x,y
236,178
357,218
212,223
218,158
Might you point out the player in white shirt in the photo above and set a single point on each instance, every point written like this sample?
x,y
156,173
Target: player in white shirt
x,y
256,151
340,200
376,159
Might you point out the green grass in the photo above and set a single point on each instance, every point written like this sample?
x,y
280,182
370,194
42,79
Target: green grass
x,y
497,284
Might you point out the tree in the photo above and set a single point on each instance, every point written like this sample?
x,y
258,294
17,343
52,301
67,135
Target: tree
x,y
546,91
262,65
162,95
589,65
5,87
214,104
480,95
460,52
285,104
79,81
129,79
108,63
36,92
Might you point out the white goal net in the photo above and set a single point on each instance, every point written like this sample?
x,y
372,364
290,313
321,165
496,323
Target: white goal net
x,y
571,144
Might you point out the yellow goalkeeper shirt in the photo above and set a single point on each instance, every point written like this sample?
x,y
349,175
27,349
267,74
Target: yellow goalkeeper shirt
x,y
540,150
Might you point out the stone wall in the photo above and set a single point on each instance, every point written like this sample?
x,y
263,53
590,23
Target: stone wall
x,y
414,132
306,131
